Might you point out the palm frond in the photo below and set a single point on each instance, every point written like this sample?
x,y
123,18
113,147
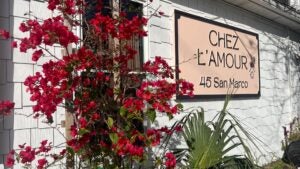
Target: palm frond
x,y
209,142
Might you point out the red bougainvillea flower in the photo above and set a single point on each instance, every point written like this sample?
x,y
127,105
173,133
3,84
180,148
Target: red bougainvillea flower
x,y
41,163
44,148
161,13
69,7
154,136
4,34
97,84
10,161
27,155
170,161
159,67
37,54
6,107
14,44
52,4
49,32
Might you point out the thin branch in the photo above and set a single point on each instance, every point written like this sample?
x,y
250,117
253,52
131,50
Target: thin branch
x,y
45,49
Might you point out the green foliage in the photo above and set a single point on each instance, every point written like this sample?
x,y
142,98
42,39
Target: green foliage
x,y
110,122
113,137
122,111
209,142
151,115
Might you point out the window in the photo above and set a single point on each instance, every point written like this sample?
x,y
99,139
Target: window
x,y
132,9
130,82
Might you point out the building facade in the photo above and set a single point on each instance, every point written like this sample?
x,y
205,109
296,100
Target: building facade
x,y
15,66
275,23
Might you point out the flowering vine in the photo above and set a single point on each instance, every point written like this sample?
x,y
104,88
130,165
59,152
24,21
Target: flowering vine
x,y
94,84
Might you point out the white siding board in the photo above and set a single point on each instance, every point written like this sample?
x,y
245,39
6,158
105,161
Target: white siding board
x,y
19,137
24,119
19,7
4,142
4,8
18,72
14,30
38,135
2,71
37,9
5,53
279,74
20,57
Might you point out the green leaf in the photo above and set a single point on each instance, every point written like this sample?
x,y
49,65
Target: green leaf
x,y
70,151
209,142
114,137
151,115
134,115
122,111
180,106
110,122
127,127
82,131
170,116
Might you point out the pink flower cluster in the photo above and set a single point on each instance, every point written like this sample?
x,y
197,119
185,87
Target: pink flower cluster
x,y
49,32
27,155
93,83
6,107
124,29
4,34
170,161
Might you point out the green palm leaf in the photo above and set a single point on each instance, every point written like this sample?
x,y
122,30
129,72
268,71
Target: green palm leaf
x,y
208,143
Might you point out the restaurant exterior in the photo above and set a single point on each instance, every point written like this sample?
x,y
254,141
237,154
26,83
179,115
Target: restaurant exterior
x,y
251,46
249,49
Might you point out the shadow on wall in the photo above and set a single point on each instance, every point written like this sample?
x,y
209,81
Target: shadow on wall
x,y
279,63
233,13
6,83
270,34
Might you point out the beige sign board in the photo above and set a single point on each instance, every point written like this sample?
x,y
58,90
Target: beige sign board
x,y
216,57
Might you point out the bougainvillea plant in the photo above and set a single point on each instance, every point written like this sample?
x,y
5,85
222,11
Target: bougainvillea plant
x,y
109,101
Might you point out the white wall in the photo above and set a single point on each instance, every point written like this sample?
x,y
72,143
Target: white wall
x,y
263,116
14,68
279,70
295,4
